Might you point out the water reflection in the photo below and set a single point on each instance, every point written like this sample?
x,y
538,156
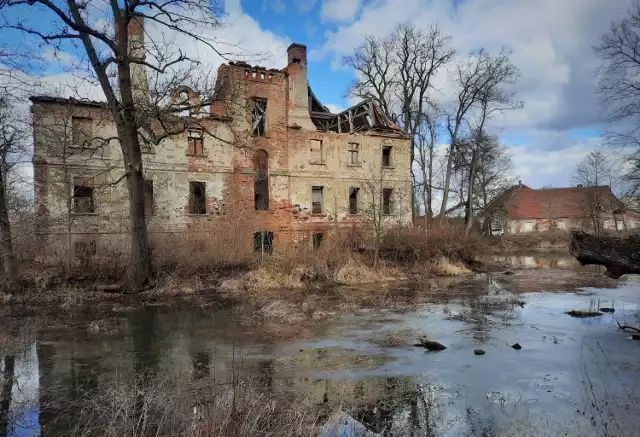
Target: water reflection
x,y
568,371
546,261
19,405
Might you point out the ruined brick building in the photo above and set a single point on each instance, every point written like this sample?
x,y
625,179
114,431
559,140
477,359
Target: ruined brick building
x,y
283,167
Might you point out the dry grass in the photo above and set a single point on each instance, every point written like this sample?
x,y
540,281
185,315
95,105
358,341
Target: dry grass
x,y
240,407
282,312
201,253
265,277
418,245
442,266
396,338
354,272
188,263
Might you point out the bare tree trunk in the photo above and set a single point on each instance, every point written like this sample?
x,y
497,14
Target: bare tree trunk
x,y
425,200
429,211
8,256
376,255
5,403
483,187
140,268
68,184
468,215
128,136
447,181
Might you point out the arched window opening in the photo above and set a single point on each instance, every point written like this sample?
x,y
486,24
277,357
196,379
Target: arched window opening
x,y
263,241
261,180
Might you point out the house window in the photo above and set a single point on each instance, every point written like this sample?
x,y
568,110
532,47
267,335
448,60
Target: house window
x,y
148,197
354,152
386,156
317,202
263,241
387,201
259,117
317,239
81,131
84,249
528,226
353,200
197,198
196,142
317,152
184,103
261,181
146,146
83,196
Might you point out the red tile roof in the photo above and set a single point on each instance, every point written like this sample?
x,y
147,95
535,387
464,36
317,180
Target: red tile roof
x,y
522,202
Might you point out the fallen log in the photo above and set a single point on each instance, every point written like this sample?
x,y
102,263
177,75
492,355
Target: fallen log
x,y
620,256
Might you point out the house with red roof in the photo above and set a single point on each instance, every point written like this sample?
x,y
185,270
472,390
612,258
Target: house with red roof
x,y
593,209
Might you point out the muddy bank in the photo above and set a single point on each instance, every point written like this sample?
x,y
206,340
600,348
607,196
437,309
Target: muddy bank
x,y
355,286
51,291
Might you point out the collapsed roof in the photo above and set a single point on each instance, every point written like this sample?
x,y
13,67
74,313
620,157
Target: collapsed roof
x,y
364,116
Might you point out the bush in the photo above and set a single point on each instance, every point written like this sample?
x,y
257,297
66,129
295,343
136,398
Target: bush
x,y
411,245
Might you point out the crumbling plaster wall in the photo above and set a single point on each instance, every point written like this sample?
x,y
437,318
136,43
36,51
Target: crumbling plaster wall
x,y
227,168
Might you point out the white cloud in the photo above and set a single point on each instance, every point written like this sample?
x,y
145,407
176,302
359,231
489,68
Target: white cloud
x,y
552,43
277,6
552,47
64,58
334,109
240,37
340,10
304,6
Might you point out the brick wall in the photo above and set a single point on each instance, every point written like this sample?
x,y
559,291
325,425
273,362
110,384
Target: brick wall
x,y
226,167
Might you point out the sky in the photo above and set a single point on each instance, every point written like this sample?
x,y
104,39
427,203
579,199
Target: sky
x,y
551,41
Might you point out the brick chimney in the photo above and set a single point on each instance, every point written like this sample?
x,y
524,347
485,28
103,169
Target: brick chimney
x,y
297,54
137,49
298,87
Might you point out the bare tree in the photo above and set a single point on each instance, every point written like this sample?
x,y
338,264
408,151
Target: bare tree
x,y
594,170
398,71
480,83
381,204
137,72
619,73
425,146
494,170
12,145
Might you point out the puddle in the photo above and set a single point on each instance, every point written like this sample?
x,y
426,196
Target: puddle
x,y
576,376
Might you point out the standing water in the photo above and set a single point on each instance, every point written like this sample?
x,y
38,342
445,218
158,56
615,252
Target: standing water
x,y
358,370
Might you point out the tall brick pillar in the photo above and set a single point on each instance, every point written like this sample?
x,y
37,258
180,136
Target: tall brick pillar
x,y
137,50
298,87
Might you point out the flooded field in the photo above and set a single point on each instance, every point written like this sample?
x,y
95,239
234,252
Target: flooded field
x,y
356,371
